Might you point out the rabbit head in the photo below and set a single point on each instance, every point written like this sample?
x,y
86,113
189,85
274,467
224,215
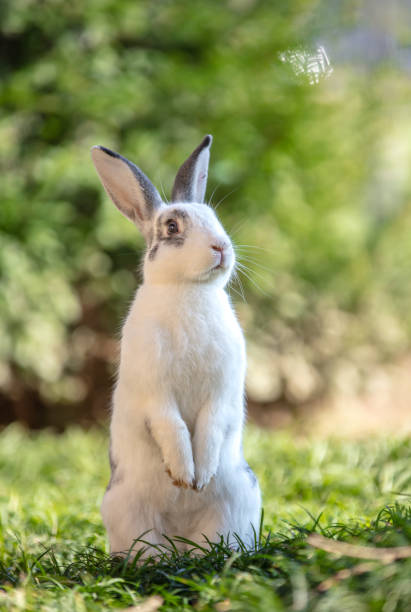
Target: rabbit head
x,y
185,240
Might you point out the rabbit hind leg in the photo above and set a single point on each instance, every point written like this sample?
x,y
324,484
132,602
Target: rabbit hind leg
x,y
234,511
129,523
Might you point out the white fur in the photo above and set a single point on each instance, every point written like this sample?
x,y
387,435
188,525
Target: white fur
x,y
179,401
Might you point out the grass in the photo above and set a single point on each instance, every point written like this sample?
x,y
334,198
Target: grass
x,y
53,550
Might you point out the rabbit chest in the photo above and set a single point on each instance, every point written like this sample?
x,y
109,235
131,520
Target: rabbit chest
x,y
198,344
207,358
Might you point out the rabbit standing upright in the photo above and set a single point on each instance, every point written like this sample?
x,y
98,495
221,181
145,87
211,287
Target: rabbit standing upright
x,y
177,465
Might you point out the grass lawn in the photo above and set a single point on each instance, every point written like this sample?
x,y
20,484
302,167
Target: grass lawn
x,y
53,550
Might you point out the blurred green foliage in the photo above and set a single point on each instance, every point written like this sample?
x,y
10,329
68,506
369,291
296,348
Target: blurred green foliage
x,y
316,175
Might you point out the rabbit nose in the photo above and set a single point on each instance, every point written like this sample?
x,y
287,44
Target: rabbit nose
x,y
220,246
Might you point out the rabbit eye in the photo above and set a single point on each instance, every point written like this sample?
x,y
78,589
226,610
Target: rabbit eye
x,y
172,227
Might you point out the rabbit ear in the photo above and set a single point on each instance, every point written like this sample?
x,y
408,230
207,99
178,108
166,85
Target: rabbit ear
x,y
129,188
191,180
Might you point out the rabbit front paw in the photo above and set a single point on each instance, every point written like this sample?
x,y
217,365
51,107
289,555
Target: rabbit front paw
x,y
202,479
181,480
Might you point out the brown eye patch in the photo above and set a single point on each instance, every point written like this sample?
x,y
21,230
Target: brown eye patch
x,y
171,228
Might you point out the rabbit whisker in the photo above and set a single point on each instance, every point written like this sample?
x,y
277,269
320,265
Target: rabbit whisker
x,y
237,279
165,199
224,197
232,288
244,270
238,227
210,199
255,273
250,246
242,258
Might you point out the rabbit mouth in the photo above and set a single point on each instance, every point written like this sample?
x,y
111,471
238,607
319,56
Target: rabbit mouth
x,y
212,272
220,267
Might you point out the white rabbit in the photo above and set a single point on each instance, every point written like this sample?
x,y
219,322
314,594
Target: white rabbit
x,y
177,465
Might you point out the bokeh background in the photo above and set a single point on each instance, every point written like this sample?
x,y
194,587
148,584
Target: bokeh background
x,y
309,105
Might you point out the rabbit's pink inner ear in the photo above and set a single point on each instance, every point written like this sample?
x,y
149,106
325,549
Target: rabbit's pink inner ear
x,y
130,190
130,212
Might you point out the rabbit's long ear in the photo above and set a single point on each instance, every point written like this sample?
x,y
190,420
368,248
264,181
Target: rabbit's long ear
x,y
191,180
129,188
